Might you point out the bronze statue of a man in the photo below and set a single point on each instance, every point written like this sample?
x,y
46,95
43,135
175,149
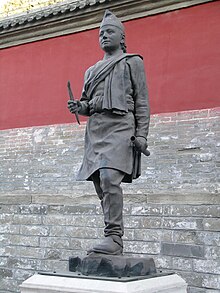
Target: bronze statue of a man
x,y
115,98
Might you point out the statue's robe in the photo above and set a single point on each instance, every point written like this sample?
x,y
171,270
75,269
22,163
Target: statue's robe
x,y
115,97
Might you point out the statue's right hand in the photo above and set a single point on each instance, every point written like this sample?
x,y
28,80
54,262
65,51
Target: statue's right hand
x,y
74,106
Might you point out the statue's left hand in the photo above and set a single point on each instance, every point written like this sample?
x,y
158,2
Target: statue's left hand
x,y
143,142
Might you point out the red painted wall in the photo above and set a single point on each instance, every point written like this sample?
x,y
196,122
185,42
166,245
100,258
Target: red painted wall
x,y
181,55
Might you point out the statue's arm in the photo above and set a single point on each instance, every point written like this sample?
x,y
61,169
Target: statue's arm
x,y
84,100
140,96
84,105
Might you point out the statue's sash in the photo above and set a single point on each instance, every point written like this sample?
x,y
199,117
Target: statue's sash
x,y
101,70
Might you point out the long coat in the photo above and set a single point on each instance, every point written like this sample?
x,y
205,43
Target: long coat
x,y
109,128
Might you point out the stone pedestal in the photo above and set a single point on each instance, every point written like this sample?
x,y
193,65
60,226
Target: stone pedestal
x,y
63,284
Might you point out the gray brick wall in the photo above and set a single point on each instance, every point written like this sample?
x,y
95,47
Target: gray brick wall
x,y
171,213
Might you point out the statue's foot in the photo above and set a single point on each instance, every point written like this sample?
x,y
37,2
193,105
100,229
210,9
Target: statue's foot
x,y
112,245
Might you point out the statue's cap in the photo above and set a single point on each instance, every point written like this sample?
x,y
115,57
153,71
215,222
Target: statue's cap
x,y
110,19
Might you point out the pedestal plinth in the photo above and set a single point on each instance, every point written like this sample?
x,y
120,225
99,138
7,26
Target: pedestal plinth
x,y
77,284
101,265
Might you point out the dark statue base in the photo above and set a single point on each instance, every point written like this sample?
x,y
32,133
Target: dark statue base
x,y
112,266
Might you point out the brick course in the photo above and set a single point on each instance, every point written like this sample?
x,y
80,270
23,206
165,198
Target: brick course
x,y
171,213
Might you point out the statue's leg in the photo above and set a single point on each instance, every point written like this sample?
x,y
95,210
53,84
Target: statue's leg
x,y
110,181
96,182
110,193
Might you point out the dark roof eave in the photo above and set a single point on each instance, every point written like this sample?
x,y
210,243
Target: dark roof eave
x,y
38,15
83,15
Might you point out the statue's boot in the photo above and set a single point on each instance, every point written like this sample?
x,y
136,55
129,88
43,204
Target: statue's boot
x,y
111,245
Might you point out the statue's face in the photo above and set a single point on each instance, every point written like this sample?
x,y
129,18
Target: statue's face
x,y
110,38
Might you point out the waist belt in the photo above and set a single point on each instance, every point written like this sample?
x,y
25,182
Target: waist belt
x,y
92,111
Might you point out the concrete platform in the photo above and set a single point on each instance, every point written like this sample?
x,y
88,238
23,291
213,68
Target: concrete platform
x,y
61,284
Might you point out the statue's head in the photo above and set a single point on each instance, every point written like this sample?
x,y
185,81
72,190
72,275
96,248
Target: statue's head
x,y
111,34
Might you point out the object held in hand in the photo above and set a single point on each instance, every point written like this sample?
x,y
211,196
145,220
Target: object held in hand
x,y
72,99
137,145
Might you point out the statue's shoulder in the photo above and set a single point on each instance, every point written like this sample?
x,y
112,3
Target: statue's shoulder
x,y
91,69
135,61
134,58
